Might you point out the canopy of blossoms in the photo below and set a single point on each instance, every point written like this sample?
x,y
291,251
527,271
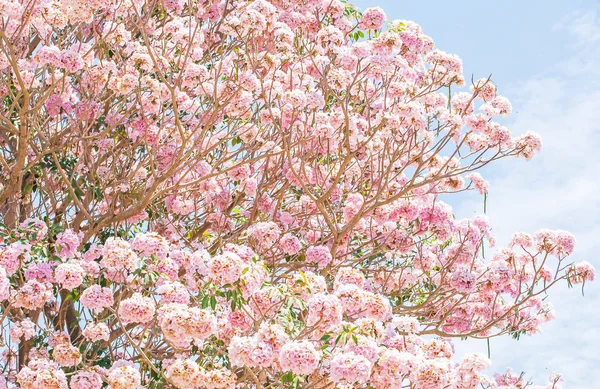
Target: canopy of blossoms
x,y
215,194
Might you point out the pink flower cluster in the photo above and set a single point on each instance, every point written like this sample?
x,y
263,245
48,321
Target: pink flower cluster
x,y
319,255
137,309
372,19
97,298
68,243
299,357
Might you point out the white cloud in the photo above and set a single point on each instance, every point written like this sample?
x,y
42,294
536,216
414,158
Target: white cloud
x,y
584,29
558,189
583,25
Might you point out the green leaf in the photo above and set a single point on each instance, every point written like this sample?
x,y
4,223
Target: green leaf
x,y
287,377
485,202
325,338
205,301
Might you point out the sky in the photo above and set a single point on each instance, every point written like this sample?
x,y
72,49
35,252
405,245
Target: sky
x,y
545,57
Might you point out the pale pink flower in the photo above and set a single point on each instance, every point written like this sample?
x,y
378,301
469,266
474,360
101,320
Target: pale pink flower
x,y
289,244
182,325
183,373
479,183
251,352
68,243
528,145
350,368
150,243
372,19
320,255
124,375
39,373
96,332
299,357
33,295
13,256
118,259
4,285
86,380
581,272
173,292
97,298
137,309
225,268
67,355
219,378
324,311
69,275
464,281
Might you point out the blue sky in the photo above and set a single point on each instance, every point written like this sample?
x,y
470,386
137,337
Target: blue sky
x,y
545,57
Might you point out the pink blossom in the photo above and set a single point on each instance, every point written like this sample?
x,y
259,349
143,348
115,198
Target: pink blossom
x,y
350,368
225,268
320,255
96,332
86,380
364,346
376,306
521,239
182,325
324,311
69,275
479,183
68,243
150,243
118,259
565,243
4,285
42,272
33,295
173,292
97,298
330,37
137,309
352,299
464,281
183,373
24,329
392,368
249,351
39,373
13,256
67,355
372,19
272,334
433,374
289,244
581,272
528,145
124,375
35,226
219,378
349,275
265,234
486,89
299,357
475,362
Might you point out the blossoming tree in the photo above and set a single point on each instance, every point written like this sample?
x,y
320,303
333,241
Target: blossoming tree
x,y
236,193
